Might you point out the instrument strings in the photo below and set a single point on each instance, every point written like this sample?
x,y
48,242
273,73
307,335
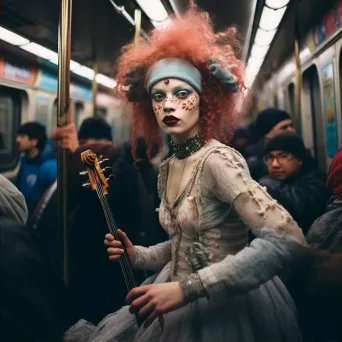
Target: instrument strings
x,y
125,262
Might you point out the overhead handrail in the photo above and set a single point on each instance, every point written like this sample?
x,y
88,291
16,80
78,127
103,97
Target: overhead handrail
x,y
121,10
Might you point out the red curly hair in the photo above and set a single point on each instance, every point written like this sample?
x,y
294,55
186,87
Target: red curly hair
x,y
191,38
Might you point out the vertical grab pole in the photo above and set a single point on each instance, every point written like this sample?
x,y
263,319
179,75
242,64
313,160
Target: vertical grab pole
x,y
94,86
298,87
63,119
94,53
137,20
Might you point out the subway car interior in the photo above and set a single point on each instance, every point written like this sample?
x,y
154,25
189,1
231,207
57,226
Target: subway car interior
x,y
81,163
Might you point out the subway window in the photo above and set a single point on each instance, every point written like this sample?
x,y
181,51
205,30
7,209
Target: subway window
x,y
10,105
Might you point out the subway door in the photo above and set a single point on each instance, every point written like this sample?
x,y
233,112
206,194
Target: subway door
x,y
328,81
312,116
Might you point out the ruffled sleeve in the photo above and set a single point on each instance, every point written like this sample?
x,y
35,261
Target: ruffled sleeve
x,y
279,239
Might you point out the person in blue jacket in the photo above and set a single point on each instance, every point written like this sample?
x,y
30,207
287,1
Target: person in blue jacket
x,y
38,165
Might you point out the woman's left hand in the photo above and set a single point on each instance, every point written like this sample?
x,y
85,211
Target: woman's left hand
x,y
151,301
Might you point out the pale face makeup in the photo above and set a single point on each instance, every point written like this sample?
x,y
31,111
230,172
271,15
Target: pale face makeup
x,y
177,108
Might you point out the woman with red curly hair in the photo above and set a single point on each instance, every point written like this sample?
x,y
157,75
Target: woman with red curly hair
x,y
210,285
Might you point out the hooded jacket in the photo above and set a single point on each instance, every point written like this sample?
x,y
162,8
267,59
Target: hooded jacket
x,y
12,202
36,175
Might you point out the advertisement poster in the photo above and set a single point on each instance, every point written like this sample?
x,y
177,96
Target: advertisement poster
x,y
331,22
329,105
42,110
80,92
15,72
47,81
339,11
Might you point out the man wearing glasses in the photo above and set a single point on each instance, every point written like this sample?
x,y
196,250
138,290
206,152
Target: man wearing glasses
x,y
294,180
269,123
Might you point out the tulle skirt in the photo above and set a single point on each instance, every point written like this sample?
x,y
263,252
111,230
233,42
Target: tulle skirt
x,y
266,314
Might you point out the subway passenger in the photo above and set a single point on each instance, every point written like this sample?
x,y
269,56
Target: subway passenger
x,y
294,180
32,300
240,140
326,231
317,282
38,165
268,123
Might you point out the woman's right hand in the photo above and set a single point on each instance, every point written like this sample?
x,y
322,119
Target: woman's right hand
x,y
115,249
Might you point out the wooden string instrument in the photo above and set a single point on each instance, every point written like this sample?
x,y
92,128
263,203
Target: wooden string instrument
x,y
99,183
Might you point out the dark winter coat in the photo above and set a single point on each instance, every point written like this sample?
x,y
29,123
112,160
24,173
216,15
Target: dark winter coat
x,y
326,231
32,300
303,195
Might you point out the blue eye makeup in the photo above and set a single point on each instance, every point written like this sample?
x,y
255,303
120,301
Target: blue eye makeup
x,y
179,92
182,92
157,95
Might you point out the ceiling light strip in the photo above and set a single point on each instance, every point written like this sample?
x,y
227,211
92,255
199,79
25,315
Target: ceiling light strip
x,y
271,17
51,56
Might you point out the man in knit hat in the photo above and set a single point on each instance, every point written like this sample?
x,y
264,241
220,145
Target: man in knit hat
x,y
272,121
268,124
38,165
294,180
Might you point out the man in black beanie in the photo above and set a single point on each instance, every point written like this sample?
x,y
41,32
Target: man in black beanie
x,y
294,180
268,124
272,121
94,130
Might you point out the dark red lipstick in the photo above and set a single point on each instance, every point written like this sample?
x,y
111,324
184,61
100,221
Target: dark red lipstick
x,y
170,120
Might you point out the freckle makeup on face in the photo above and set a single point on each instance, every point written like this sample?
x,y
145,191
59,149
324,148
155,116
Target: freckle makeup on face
x,y
182,96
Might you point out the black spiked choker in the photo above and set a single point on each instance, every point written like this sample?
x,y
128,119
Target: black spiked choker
x,y
186,148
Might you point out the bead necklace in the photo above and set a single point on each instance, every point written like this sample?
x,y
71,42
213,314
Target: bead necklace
x,y
186,148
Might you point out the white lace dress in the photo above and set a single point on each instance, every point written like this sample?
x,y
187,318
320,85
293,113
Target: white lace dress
x,y
246,301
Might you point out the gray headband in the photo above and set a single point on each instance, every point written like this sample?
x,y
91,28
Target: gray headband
x,y
174,68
